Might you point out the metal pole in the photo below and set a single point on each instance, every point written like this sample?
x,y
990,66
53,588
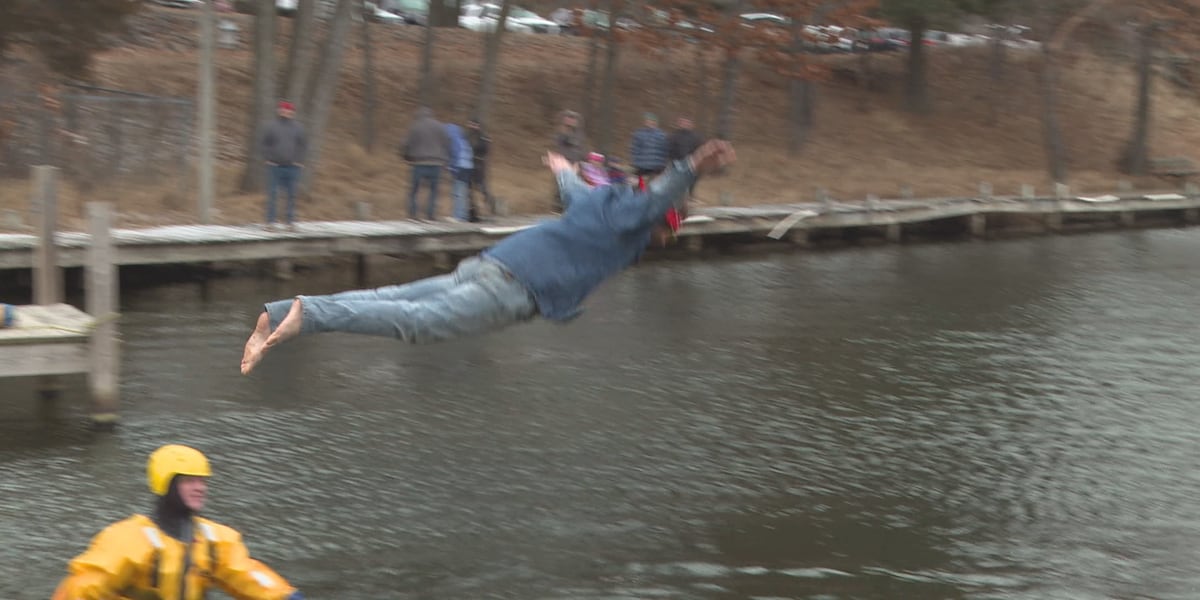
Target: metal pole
x,y
207,116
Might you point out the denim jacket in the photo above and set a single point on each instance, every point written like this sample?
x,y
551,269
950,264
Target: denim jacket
x,y
603,231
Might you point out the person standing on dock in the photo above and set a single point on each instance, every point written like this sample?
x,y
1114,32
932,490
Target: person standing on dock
x,y
427,150
546,270
284,144
648,152
173,553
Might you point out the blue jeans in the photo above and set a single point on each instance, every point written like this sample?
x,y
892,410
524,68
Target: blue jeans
x,y
285,176
462,194
478,297
430,174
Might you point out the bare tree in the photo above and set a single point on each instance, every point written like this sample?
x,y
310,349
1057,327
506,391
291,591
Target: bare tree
x,y
299,65
425,93
608,88
491,63
264,93
732,41
369,94
327,78
1134,159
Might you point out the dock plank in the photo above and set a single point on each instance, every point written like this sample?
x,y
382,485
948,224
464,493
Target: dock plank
x,y
50,324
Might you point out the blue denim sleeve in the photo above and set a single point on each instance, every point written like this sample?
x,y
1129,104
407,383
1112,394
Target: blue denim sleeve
x,y
570,188
637,210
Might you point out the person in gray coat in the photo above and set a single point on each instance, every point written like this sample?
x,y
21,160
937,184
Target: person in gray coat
x,y
427,150
284,145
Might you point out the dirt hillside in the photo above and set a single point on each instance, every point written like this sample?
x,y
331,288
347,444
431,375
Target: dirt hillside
x,y
863,143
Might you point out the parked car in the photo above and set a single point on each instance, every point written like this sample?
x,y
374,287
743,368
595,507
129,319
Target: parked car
x,y
180,3
414,12
376,14
535,22
483,17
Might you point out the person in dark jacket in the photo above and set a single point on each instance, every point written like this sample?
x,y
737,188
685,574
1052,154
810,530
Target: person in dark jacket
x,y
427,150
284,145
682,142
648,154
546,270
570,142
480,145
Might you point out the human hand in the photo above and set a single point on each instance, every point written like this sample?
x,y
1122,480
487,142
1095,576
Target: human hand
x,y
557,162
712,156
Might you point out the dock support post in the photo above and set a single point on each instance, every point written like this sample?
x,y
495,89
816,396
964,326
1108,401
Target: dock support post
x,y
441,260
283,269
361,274
101,299
1054,221
1191,215
894,233
799,236
694,243
1127,218
47,275
977,225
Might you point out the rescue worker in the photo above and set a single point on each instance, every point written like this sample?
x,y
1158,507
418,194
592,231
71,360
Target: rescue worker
x,y
173,554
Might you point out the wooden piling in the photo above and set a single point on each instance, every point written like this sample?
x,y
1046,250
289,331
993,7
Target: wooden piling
x,y
1127,218
47,275
894,233
977,225
101,289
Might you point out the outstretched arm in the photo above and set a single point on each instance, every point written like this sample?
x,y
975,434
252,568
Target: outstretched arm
x,y
570,186
633,211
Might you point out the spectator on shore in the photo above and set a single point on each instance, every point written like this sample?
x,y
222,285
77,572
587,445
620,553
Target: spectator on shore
x,y
284,144
480,145
570,143
648,153
594,172
682,142
462,163
426,149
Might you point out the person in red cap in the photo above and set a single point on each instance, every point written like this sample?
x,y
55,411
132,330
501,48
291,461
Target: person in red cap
x,y
546,270
284,145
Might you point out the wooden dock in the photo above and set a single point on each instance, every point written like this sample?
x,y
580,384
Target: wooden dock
x,y
802,224
50,338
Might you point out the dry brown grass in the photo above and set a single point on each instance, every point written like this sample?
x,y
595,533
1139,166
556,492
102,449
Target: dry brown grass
x,y
863,142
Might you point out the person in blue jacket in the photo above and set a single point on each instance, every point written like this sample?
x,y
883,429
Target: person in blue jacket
x,y
546,270
462,164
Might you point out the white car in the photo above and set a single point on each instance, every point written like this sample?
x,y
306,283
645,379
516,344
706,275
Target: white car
x,y
483,17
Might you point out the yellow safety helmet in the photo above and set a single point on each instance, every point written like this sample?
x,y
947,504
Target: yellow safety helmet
x,y
171,460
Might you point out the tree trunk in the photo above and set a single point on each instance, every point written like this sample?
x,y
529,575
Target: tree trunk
x,y
491,64
802,99
327,78
1134,158
300,58
264,94
589,77
729,76
444,13
369,99
916,90
425,92
999,59
1056,161
608,92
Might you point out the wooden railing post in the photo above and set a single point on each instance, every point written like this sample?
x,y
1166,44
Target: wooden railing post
x,y
47,276
101,289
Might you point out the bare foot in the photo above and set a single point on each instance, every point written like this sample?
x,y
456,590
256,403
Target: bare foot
x,y
288,328
253,351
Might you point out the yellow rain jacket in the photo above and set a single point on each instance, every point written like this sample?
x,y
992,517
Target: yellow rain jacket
x,y
134,560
